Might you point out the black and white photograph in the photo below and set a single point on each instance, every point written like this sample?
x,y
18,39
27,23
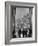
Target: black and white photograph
x,y
20,22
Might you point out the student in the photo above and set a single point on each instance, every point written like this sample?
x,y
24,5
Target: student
x,y
13,33
24,32
19,33
30,32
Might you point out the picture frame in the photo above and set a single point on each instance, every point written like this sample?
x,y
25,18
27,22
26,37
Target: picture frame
x,y
12,8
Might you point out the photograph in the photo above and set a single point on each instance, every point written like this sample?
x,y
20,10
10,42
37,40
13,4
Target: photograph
x,y
20,22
